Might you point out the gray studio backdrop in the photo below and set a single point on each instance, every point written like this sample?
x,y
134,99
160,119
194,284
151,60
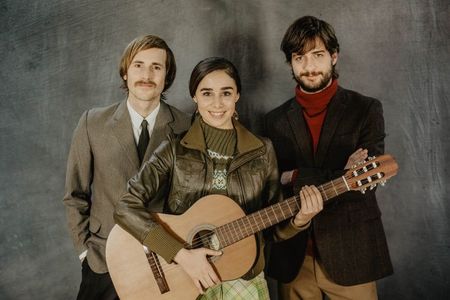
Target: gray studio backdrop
x,y
59,58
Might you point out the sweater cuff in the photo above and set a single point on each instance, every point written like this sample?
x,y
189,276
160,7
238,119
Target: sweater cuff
x,y
160,241
300,228
288,229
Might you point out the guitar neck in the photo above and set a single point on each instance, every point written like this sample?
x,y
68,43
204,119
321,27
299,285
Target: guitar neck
x,y
241,228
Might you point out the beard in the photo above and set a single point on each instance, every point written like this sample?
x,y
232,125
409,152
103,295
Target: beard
x,y
314,87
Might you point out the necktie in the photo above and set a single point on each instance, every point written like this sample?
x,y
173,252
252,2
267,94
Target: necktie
x,y
143,141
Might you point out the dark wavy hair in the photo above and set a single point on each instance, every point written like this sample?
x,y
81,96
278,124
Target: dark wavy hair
x,y
209,65
301,37
143,43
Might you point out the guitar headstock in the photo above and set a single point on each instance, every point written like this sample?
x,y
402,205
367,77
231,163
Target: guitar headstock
x,y
373,171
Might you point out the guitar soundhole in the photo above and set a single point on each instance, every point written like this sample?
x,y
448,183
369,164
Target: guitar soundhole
x,y
205,239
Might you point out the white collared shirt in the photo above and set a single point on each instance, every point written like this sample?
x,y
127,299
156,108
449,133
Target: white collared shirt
x,y
136,120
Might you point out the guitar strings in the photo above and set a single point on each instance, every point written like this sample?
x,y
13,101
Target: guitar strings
x,y
196,242
205,239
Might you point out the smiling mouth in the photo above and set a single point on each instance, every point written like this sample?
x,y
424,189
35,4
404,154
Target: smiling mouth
x,y
217,114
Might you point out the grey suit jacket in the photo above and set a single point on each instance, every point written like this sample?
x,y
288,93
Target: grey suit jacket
x,y
103,156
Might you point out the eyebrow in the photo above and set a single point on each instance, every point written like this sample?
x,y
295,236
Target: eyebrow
x,y
141,62
224,88
312,51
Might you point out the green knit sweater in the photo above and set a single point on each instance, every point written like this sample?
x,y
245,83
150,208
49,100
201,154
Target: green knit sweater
x,y
221,145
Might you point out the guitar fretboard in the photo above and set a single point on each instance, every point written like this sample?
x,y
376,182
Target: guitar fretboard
x,y
241,228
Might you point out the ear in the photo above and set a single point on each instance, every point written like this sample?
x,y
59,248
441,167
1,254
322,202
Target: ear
x,y
237,97
124,77
334,58
194,99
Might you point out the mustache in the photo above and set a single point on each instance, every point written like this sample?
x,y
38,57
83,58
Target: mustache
x,y
143,82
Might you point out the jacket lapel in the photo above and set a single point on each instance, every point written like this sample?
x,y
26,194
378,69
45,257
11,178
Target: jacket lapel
x,y
300,130
123,131
334,115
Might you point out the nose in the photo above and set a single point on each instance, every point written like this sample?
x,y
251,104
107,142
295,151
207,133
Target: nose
x,y
218,101
309,64
147,73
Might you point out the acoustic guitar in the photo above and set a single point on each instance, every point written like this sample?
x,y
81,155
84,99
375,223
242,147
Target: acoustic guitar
x,y
217,222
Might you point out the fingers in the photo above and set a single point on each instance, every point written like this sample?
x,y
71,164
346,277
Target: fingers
x,y
311,200
359,155
212,252
210,272
356,157
198,286
311,204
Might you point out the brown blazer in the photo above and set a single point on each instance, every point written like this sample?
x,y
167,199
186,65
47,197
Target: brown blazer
x,y
103,156
349,236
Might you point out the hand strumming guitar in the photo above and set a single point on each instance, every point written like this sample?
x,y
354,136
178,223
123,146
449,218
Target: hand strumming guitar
x,y
196,265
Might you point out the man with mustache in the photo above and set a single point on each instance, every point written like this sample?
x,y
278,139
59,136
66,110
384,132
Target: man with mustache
x,y
317,136
109,145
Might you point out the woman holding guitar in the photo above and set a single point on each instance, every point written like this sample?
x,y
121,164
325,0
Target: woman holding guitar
x,y
217,155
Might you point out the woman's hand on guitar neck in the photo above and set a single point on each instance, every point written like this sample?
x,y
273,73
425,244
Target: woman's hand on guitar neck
x,y
196,265
311,205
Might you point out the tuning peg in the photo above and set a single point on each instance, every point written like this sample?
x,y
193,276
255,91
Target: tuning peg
x,y
372,186
363,191
371,158
383,182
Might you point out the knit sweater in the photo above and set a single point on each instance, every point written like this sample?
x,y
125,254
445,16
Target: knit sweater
x,y
221,145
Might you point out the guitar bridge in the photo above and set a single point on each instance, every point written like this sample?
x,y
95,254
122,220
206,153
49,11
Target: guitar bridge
x,y
157,271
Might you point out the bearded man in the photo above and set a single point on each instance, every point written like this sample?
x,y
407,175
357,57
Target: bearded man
x,y
317,136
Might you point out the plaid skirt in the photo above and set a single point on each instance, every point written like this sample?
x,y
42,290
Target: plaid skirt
x,y
239,289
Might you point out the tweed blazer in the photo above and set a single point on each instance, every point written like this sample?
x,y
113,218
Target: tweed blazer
x,y
103,157
349,237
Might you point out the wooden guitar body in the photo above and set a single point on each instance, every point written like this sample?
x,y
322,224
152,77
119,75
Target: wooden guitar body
x,y
130,269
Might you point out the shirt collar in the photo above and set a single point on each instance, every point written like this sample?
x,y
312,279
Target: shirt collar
x,y
136,118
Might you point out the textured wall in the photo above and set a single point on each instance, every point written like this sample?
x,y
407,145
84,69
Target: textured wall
x,y
59,58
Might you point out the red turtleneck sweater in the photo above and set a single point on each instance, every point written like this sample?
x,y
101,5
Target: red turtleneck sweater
x,y
315,109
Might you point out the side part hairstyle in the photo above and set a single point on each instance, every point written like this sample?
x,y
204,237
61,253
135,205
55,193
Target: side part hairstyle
x,y
301,37
143,43
209,65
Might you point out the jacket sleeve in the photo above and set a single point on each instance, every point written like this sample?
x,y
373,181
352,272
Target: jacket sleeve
x,y
131,212
371,137
77,192
285,229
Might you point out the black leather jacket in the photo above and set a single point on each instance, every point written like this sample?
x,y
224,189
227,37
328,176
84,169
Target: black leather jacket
x,y
182,169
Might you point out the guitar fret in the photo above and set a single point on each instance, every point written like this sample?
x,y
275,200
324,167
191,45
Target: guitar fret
x,y
290,210
296,199
282,213
274,213
267,214
323,192
262,220
334,188
254,220
250,227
